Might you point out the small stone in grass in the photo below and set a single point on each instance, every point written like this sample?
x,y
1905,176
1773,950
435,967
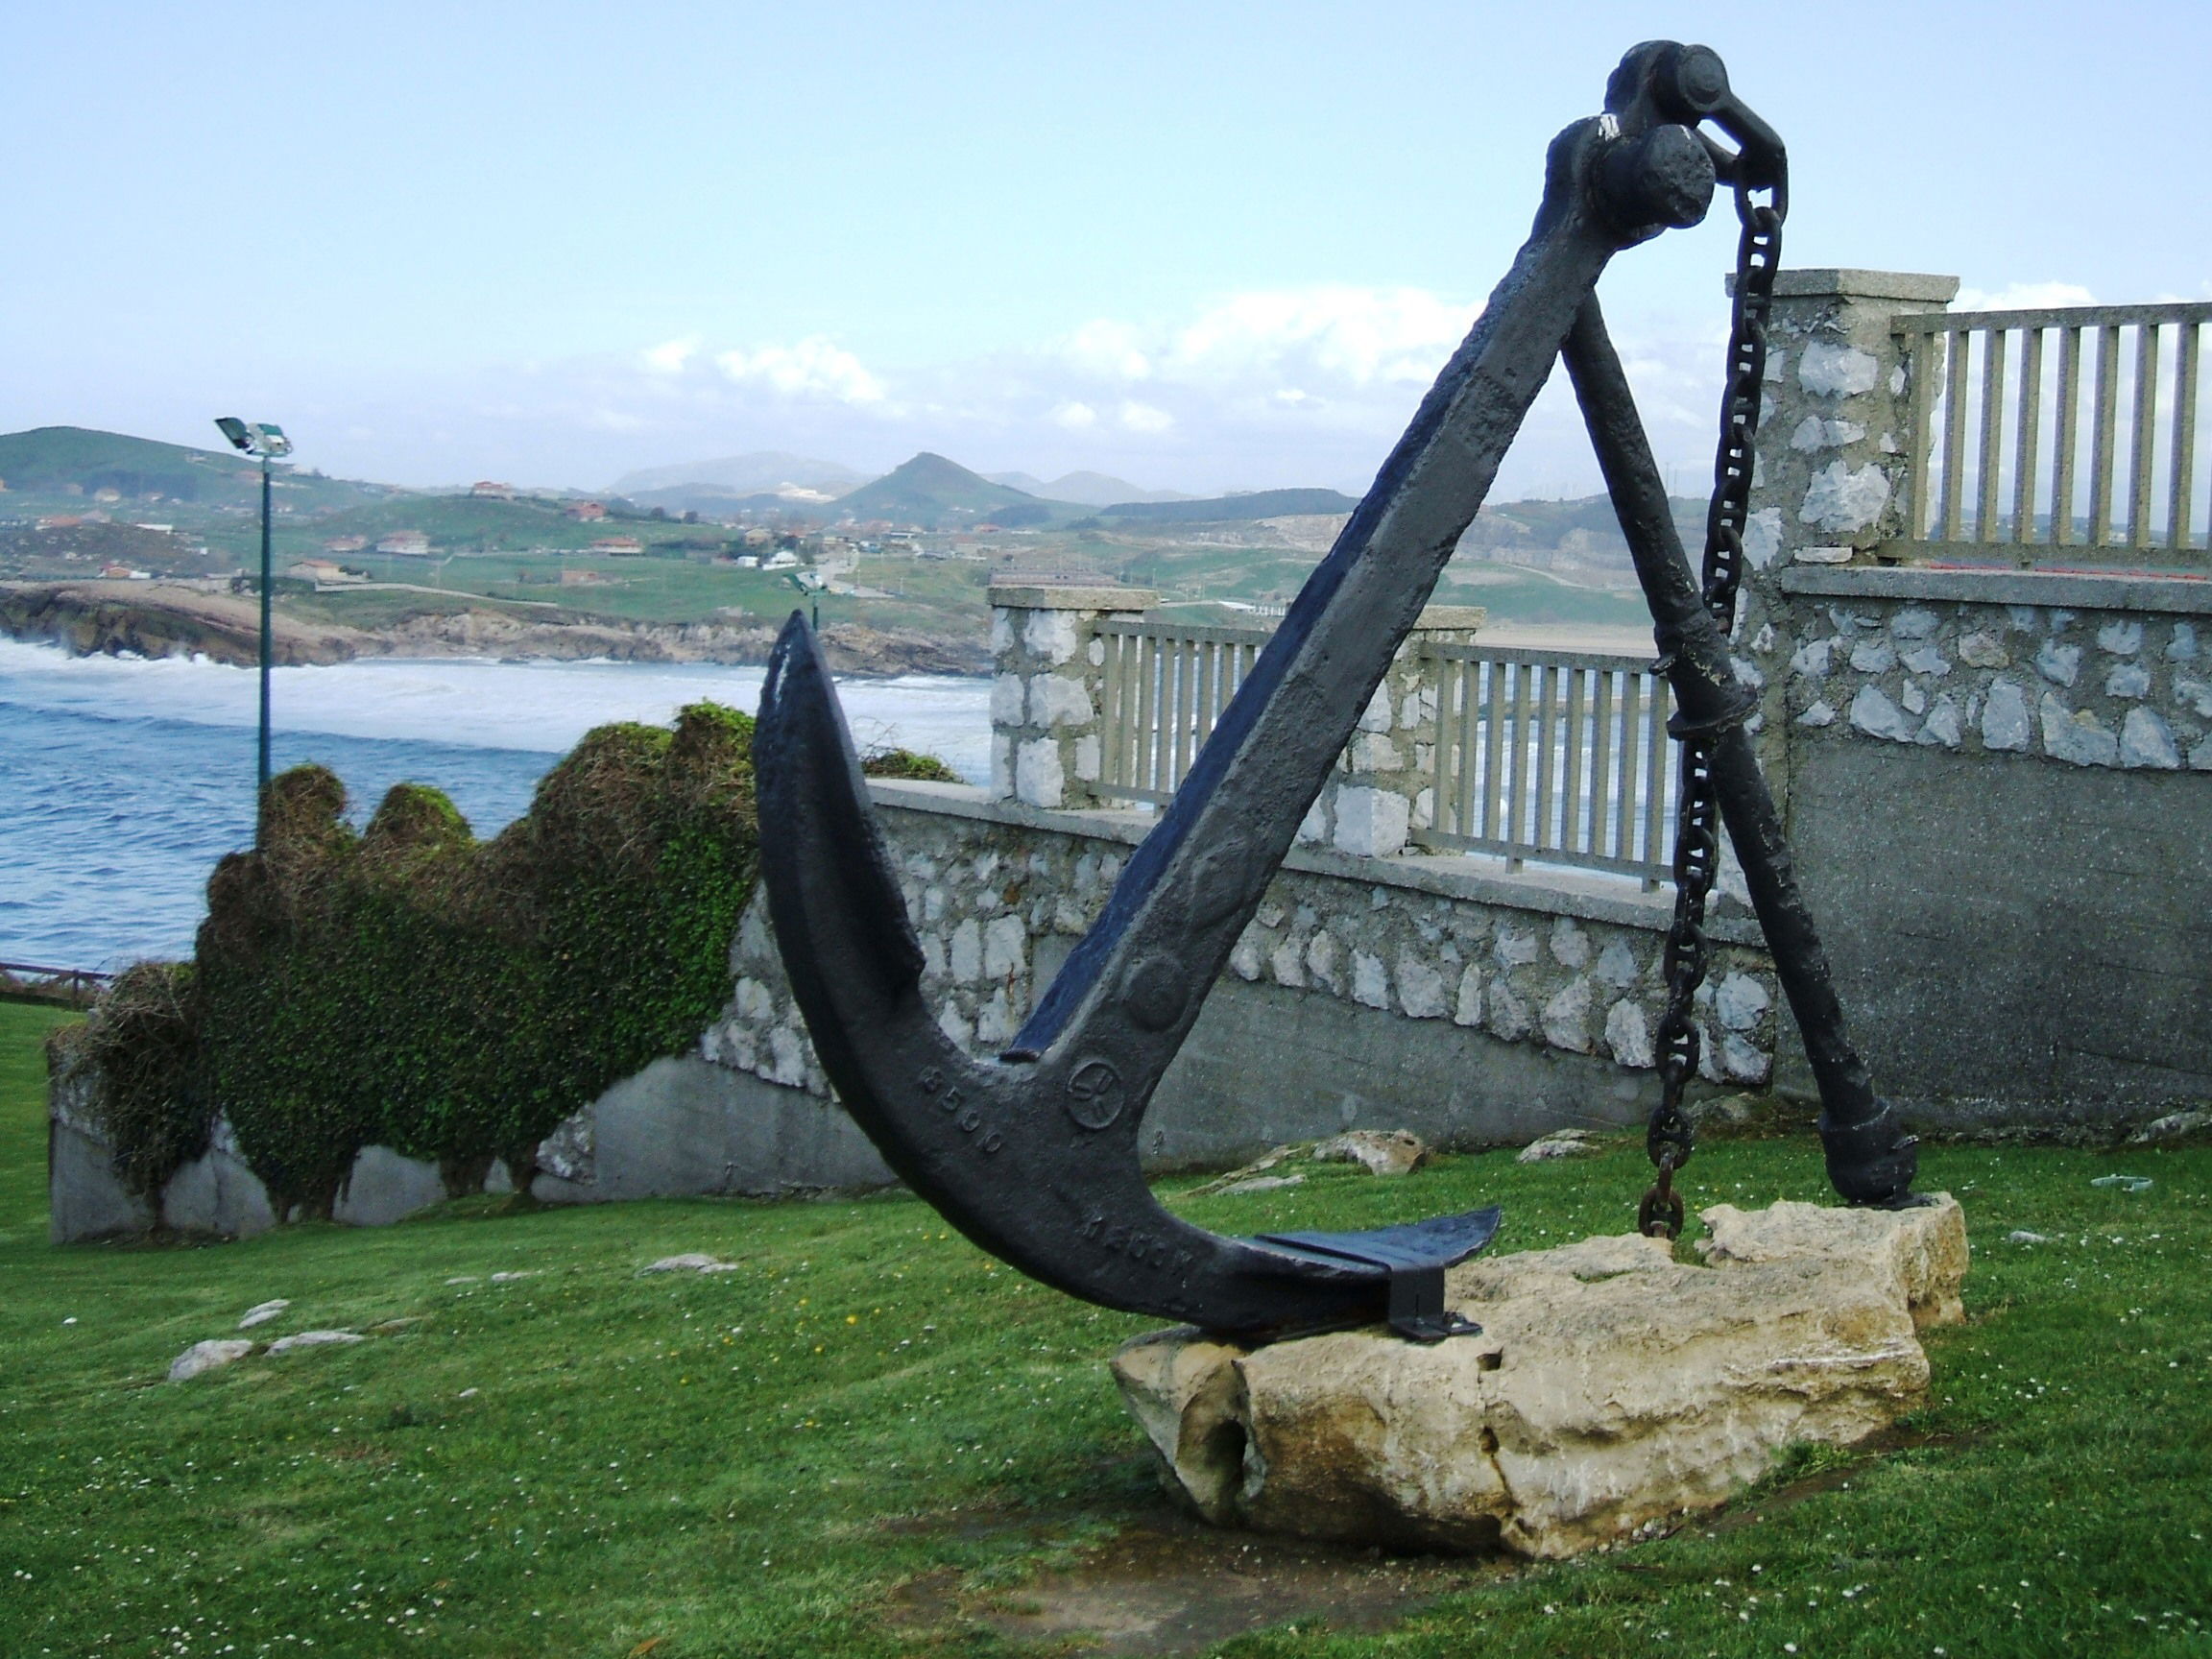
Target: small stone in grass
x,y
314,1339
261,1313
1262,1184
509,1277
691,1261
209,1356
2022,1236
1560,1143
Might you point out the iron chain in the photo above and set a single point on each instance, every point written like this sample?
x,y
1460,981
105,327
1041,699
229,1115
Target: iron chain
x,y
1669,1137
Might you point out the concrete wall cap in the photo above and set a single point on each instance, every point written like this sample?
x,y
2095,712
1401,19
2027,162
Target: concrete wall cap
x,y
1465,619
2080,591
1052,596
1923,287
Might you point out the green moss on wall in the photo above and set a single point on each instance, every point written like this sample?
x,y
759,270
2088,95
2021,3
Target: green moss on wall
x,y
454,999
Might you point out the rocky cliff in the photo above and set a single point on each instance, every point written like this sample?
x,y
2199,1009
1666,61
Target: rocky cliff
x,y
156,619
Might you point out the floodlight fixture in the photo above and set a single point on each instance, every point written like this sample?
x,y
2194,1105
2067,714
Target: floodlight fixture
x,y
254,437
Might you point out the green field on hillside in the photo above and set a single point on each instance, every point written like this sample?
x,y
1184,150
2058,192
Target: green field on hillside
x,y
871,1440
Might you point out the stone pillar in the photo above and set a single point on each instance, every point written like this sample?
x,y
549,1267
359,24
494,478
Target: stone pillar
x,y
1045,699
1382,791
1831,480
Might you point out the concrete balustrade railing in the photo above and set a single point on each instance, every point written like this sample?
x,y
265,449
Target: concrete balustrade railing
x,y
1099,701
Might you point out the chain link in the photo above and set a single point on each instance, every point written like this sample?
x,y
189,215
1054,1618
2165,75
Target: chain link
x,y
1669,1139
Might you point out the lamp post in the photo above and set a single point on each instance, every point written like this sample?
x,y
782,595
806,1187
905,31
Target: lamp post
x,y
259,439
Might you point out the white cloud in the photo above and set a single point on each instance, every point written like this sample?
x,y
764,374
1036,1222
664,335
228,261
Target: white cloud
x,y
669,357
815,368
2023,296
1106,350
1354,336
1139,417
1074,416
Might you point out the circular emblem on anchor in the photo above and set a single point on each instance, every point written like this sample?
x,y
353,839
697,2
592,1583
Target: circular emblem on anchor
x,y
1152,992
1094,1093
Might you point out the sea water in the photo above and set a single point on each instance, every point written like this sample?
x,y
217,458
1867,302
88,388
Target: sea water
x,y
123,780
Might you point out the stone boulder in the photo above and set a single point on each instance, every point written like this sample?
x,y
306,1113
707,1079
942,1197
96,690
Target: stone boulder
x,y
1612,1391
205,1356
1378,1152
1561,1144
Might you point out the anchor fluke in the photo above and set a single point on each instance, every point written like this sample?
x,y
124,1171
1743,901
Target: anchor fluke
x,y
1037,1162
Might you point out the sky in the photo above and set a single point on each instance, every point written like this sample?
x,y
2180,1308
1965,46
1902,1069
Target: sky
x,y
1198,246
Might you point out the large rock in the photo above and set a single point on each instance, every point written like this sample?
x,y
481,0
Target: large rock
x,y
1612,1390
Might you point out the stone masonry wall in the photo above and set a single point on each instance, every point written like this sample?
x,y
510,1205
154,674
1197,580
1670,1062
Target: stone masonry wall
x,y
2085,686
998,894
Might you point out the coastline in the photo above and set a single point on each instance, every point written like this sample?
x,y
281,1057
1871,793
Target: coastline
x,y
112,618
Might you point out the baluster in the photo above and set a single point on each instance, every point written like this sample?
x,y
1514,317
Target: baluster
x,y
1573,820
2182,486
1604,788
2142,436
1995,345
2030,428
1186,655
1110,735
1624,789
2105,435
1493,750
1148,766
1958,352
2063,456
1547,767
1655,769
1920,365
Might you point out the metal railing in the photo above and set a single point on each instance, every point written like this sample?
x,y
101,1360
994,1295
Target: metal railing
x,y
1165,685
1561,757
68,987
2018,442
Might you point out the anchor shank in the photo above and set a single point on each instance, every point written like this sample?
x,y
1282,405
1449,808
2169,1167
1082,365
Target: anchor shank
x,y
1131,990
1865,1160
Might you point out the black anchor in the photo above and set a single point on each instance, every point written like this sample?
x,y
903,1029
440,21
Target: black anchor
x,y
1034,1156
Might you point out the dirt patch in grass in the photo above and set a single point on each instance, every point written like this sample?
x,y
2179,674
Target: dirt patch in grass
x,y
1171,1585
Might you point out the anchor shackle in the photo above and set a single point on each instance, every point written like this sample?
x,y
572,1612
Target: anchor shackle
x,y
1667,82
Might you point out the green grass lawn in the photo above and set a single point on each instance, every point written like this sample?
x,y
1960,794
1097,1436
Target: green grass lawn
x,y
584,1461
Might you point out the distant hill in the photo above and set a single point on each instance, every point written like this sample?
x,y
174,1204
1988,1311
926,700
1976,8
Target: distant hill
x,y
1088,489
937,493
1220,508
78,462
713,501
758,473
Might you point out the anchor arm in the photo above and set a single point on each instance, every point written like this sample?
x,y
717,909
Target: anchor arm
x,y
1871,1159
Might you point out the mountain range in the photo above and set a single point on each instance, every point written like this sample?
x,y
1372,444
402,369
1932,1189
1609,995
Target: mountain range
x,y
928,490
